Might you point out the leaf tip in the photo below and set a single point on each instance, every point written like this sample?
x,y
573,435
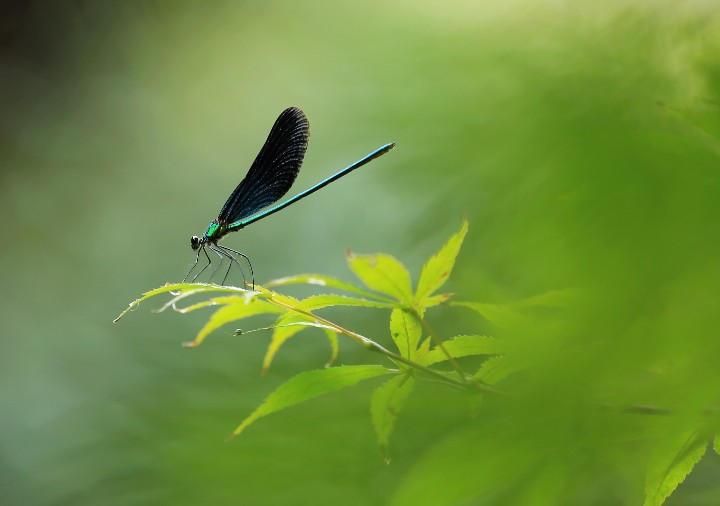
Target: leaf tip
x,y
232,436
385,452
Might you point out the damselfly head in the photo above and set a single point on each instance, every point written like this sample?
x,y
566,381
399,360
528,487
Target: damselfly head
x,y
194,242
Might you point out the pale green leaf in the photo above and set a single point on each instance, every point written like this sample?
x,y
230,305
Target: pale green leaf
x,y
437,270
231,313
382,273
294,318
277,297
214,301
308,385
279,336
436,300
670,470
290,324
320,280
284,331
387,402
180,288
463,346
238,296
320,301
496,369
333,339
423,350
406,331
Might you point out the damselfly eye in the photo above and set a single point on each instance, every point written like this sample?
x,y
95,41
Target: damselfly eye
x,y
194,242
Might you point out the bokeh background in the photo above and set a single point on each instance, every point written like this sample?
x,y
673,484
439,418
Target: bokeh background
x,y
580,139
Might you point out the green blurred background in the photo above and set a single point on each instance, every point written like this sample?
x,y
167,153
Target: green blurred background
x,y
580,139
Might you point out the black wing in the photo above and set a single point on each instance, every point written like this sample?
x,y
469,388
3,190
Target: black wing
x,y
274,170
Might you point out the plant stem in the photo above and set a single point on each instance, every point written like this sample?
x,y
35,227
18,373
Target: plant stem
x,y
438,342
373,346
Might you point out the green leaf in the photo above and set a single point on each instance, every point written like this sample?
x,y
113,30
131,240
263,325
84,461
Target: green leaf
x,y
278,297
463,346
182,288
223,300
279,336
670,470
308,385
405,330
320,280
286,327
436,271
232,312
423,350
294,318
384,274
500,315
244,296
436,300
289,324
496,369
387,402
320,301
333,338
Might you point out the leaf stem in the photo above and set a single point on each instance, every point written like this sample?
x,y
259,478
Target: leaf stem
x,y
371,345
438,342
